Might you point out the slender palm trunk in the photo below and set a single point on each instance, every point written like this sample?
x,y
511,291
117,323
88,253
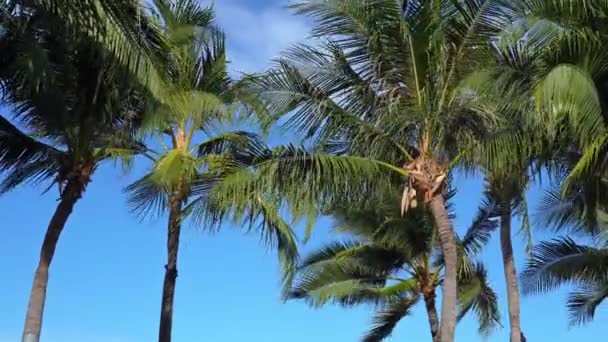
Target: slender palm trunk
x,y
510,273
431,310
450,255
33,319
166,312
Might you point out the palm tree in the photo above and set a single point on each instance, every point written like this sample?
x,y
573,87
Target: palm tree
x,y
507,163
73,106
200,96
380,96
522,146
565,262
392,262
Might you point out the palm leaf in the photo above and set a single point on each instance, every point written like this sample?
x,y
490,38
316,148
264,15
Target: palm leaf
x,y
386,319
583,302
482,227
562,261
475,293
23,158
147,197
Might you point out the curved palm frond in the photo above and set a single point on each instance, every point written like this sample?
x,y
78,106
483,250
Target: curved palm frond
x,y
343,285
583,301
23,158
563,261
260,215
147,197
305,179
123,28
482,227
387,318
244,146
475,293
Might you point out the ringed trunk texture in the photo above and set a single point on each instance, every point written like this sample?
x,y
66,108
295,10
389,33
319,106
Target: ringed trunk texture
x,y
35,308
450,255
431,310
510,274
166,312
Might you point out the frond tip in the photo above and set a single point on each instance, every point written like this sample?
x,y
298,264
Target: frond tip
x,y
387,318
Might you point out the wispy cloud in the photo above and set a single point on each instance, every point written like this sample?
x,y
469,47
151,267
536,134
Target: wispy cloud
x,y
256,34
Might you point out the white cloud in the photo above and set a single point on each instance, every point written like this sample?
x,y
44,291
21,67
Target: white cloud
x,y
256,34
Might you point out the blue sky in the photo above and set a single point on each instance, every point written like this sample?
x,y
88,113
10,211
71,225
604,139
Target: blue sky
x,y
106,278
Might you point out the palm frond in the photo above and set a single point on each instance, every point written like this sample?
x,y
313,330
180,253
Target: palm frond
x,y
386,319
569,92
482,227
332,282
123,28
303,179
23,158
583,302
147,197
245,146
327,253
563,261
475,293
574,213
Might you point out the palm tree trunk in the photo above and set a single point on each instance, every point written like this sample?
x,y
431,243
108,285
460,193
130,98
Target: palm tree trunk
x,y
431,310
510,273
33,319
450,255
166,312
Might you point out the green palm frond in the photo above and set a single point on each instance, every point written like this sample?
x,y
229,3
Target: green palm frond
x,y
23,158
575,213
475,293
551,23
345,292
333,282
184,13
147,197
244,146
350,273
563,261
321,104
261,216
373,260
367,30
387,318
305,179
469,28
583,301
482,227
175,167
525,229
590,161
123,28
568,91
327,254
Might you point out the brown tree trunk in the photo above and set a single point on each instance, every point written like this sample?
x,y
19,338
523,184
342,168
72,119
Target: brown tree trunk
x,y
33,319
431,310
510,273
166,312
450,255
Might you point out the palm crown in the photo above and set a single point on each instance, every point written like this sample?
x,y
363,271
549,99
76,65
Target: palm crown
x,y
73,108
392,262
